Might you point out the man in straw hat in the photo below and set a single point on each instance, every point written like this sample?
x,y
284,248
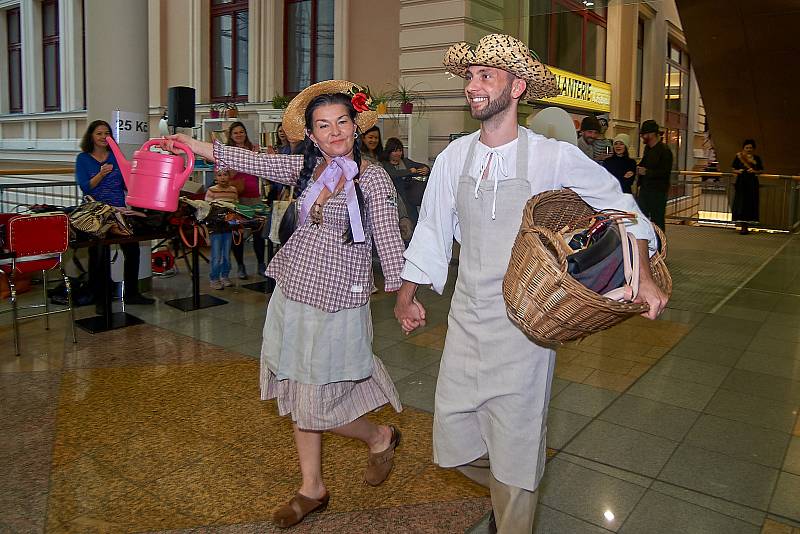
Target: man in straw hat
x,y
494,383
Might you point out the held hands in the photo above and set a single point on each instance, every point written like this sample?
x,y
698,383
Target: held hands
x,y
641,171
410,315
628,174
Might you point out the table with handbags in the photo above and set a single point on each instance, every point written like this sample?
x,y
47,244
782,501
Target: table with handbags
x,y
99,225
111,320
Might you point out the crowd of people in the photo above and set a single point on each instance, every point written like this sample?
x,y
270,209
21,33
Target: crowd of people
x,y
649,180
352,194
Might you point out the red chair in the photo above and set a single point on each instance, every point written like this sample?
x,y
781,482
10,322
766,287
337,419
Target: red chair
x,y
36,243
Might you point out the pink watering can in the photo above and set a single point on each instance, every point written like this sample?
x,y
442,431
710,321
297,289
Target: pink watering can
x,y
153,180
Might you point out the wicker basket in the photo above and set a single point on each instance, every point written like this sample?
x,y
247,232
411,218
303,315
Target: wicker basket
x,y
543,300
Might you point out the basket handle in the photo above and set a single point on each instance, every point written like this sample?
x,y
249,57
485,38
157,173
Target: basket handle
x,y
556,242
630,263
662,239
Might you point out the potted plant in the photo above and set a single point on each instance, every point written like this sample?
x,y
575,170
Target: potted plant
x,y
406,97
280,101
381,102
213,111
231,111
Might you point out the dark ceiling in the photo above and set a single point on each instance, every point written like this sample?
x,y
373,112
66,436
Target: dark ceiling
x,y
746,55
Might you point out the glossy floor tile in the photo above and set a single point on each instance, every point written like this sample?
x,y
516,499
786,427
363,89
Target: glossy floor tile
x,y
686,424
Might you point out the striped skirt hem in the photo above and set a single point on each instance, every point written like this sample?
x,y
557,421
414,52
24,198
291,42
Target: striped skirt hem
x,y
329,406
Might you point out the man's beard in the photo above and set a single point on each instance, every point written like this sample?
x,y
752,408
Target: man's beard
x,y
495,107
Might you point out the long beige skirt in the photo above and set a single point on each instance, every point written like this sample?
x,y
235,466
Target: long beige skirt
x,y
329,406
297,340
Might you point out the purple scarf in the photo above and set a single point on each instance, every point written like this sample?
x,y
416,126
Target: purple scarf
x,y
329,178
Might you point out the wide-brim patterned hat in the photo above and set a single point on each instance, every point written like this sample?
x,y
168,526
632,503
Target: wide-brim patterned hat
x,y
507,53
294,121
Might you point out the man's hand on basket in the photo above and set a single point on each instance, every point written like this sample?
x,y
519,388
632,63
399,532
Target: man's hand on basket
x,y
410,312
649,291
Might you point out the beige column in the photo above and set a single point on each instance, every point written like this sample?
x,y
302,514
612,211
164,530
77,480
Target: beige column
x,y
622,27
427,29
116,59
655,52
32,76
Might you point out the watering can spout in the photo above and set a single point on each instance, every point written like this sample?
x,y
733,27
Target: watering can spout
x,y
124,164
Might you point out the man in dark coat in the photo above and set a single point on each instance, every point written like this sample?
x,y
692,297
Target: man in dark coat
x,y
654,171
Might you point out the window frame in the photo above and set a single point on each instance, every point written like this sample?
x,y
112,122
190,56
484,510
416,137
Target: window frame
x,y
15,48
589,17
314,30
52,40
677,120
228,9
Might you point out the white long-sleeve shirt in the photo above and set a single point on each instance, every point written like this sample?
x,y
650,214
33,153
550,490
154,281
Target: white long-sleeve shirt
x,y
551,165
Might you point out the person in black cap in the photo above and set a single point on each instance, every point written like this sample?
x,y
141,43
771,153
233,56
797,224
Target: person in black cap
x,y
590,130
653,173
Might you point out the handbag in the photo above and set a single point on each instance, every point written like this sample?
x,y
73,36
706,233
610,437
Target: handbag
x,y
283,220
415,189
98,219
605,258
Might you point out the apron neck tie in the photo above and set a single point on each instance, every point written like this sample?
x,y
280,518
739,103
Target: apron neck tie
x,y
500,167
337,167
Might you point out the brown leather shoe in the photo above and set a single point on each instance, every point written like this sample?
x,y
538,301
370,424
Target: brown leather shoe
x,y
380,464
297,509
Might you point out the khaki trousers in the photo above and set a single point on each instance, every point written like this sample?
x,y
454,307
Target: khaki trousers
x,y
514,508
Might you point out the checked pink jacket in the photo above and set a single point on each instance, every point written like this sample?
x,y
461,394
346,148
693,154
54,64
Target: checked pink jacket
x,y
315,266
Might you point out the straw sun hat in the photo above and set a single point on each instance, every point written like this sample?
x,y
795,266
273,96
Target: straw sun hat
x,y
506,53
294,121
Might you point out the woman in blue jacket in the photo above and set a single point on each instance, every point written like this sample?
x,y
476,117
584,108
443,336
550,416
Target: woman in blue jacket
x,y
98,175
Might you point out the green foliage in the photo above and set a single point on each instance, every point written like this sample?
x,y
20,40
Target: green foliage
x,y
280,101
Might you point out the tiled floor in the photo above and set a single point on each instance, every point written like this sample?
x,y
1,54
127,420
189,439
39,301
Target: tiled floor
x,y
686,424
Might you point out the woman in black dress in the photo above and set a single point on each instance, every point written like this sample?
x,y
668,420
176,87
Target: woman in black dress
x,y
620,164
746,166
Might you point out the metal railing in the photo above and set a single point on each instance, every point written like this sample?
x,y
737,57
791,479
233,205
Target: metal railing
x,y
706,197
19,190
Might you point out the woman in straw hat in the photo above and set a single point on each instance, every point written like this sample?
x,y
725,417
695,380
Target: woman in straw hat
x,y
493,388
316,358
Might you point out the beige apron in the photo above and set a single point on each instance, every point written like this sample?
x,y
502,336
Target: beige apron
x,y
494,383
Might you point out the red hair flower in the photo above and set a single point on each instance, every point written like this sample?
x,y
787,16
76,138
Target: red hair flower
x,y
359,101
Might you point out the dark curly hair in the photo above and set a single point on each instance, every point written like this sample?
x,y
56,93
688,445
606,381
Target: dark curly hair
x,y
87,141
749,142
310,152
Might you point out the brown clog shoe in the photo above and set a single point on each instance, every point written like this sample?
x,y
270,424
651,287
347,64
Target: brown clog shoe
x,y
297,509
380,464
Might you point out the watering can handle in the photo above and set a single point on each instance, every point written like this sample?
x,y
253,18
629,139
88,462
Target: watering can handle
x,y
181,179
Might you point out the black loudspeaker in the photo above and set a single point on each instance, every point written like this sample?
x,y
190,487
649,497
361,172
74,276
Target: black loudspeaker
x,y
180,107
